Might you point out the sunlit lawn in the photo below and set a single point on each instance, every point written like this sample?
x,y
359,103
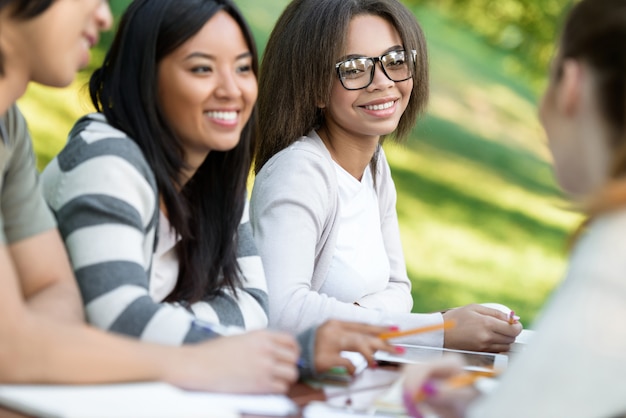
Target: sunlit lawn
x,y
480,215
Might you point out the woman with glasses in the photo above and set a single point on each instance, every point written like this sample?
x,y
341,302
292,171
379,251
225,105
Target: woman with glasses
x,y
337,78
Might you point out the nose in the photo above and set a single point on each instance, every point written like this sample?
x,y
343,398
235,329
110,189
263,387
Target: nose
x,y
227,86
103,15
380,80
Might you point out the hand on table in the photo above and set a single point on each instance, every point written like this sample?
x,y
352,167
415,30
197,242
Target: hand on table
x,y
479,328
254,362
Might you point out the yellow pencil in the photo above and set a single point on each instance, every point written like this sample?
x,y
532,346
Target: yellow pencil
x,y
430,389
466,379
430,328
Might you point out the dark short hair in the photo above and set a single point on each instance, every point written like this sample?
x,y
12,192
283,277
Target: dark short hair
x,y
26,9
23,10
595,32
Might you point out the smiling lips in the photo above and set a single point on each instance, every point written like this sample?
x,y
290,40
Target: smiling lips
x,y
90,40
382,106
223,117
227,116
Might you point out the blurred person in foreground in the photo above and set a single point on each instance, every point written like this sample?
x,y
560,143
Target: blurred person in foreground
x,y
575,366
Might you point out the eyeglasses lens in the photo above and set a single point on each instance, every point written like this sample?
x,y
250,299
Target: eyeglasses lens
x,y
357,73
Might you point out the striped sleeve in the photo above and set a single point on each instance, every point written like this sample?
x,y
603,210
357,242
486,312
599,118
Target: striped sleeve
x,y
248,309
104,197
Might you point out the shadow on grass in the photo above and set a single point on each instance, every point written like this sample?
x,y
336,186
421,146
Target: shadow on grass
x,y
455,206
515,165
431,294
459,47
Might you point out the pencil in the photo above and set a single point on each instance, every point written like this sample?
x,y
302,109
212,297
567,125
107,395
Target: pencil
x,y
429,388
466,379
512,317
430,328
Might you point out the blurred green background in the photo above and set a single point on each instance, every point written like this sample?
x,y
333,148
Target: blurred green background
x,y
481,217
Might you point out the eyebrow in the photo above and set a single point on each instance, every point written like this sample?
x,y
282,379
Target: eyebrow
x,y
393,48
246,54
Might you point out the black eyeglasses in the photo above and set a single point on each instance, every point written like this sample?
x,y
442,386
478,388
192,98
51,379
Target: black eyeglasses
x,y
358,73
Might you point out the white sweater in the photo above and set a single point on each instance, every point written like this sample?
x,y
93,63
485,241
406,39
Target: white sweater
x,y
294,212
575,365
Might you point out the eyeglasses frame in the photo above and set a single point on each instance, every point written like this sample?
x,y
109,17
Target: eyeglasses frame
x,y
375,60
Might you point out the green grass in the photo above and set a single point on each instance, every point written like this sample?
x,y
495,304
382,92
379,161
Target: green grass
x,y
480,214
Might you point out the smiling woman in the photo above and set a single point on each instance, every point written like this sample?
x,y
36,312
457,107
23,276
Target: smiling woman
x,y
167,167
150,192
359,74
211,89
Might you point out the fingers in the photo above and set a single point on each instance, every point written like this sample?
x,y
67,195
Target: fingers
x,y
484,310
425,384
514,328
477,339
345,363
284,340
278,354
497,348
507,330
368,346
285,349
495,313
335,336
480,328
453,403
254,362
415,375
358,327
283,375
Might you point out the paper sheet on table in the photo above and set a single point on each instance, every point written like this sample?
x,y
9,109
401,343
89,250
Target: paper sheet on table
x,y
318,409
137,400
362,392
340,374
271,405
522,340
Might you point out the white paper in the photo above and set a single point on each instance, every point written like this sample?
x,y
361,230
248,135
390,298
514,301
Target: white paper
x,y
272,405
522,340
137,400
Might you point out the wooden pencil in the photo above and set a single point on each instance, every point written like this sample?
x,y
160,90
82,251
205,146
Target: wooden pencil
x,y
430,328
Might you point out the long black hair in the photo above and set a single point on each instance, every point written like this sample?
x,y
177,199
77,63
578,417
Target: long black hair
x,y
26,9
206,211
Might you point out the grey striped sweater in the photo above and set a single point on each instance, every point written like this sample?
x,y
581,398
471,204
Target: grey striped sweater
x,y
104,196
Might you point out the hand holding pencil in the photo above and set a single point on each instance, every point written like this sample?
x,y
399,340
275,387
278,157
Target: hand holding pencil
x,y
481,328
442,387
335,336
